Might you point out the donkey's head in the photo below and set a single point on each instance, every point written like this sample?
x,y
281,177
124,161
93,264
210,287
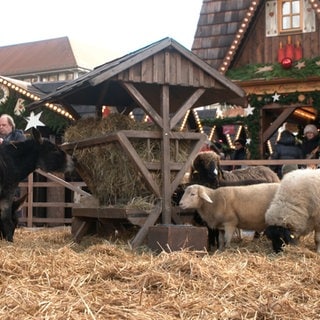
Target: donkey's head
x,y
51,157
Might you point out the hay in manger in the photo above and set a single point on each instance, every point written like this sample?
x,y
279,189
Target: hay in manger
x,y
106,169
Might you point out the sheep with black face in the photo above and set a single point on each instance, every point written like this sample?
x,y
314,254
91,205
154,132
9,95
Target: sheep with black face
x,y
295,209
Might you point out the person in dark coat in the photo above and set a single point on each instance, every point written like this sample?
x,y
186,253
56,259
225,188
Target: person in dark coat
x,y
240,152
286,148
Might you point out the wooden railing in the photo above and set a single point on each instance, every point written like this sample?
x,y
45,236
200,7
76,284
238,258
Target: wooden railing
x,y
30,220
28,217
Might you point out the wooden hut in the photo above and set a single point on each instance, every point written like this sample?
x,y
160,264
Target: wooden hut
x,y
165,80
270,49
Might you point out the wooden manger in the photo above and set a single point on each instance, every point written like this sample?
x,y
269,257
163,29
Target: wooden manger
x,y
166,81
84,218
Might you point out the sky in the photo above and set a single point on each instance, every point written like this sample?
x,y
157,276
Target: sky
x,y
119,27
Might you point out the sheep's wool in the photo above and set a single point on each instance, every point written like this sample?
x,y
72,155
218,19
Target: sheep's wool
x,y
296,204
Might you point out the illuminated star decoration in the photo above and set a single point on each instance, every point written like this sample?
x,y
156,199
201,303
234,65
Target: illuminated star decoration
x,y
248,110
264,69
276,97
33,121
248,141
219,113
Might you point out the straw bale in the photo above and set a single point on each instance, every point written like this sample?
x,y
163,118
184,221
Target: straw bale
x,y
45,275
108,172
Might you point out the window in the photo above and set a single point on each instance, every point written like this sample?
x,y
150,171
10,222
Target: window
x,y
290,18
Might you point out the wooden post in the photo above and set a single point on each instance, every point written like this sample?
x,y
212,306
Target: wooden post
x,y
165,156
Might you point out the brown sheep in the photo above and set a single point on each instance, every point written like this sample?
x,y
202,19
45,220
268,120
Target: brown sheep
x,y
207,171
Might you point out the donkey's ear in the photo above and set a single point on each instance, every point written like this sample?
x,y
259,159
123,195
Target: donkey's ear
x,y
36,135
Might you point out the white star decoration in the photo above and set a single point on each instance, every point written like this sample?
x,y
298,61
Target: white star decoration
x,y
33,121
219,113
300,65
248,110
276,97
248,141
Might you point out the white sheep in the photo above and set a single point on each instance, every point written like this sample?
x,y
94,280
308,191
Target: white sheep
x,y
229,208
295,209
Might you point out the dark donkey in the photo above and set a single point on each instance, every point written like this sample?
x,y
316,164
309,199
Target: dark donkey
x,y
17,161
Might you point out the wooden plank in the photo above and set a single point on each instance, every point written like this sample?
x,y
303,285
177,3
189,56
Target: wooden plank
x,y
139,98
63,183
167,69
185,107
30,200
151,220
133,155
79,229
47,220
105,213
276,124
165,155
187,164
267,162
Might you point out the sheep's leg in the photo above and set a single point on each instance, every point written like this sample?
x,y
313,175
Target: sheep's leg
x,y
229,231
221,239
317,240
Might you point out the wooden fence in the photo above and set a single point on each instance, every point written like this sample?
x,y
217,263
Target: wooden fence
x,y
31,219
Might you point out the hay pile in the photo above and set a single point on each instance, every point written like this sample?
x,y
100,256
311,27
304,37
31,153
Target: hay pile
x,y
108,172
44,275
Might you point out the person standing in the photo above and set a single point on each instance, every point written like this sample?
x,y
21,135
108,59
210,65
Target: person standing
x,y
310,143
8,131
8,134
240,152
286,148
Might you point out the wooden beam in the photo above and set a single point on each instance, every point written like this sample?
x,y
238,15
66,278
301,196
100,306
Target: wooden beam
x,y
165,155
288,85
277,123
185,107
133,155
151,220
145,105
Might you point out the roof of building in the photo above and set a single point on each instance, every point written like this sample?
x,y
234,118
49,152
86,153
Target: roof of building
x,y
218,26
47,56
223,27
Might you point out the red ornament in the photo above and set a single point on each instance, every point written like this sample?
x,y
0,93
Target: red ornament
x,y
286,63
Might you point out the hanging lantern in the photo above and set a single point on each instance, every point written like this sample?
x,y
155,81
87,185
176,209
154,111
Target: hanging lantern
x,y
286,63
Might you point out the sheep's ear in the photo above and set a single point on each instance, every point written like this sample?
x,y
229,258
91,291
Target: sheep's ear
x,y
203,195
36,135
220,171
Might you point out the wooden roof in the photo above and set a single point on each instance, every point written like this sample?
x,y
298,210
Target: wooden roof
x,y
162,62
47,55
218,25
224,28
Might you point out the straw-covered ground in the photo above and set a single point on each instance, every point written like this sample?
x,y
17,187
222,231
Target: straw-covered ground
x,y
45,275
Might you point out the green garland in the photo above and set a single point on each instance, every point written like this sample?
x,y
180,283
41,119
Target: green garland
x,y
300,70
57,124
